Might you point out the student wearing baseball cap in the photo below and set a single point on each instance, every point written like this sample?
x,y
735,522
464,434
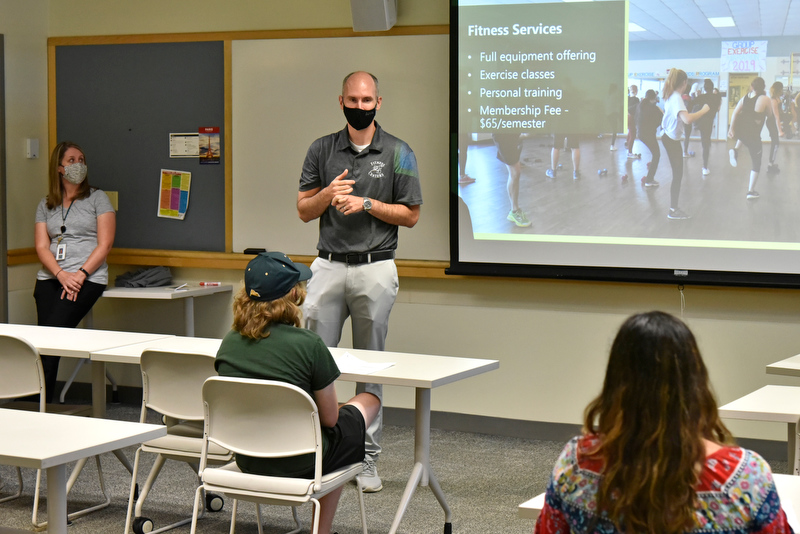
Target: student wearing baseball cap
x,y
267,343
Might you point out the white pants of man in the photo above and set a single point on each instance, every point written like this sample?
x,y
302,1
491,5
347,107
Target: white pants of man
x,y
364,292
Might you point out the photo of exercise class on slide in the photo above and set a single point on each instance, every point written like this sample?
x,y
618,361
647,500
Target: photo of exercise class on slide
x,y
628,134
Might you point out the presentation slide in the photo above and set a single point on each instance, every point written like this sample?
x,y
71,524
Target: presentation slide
x,y
559,167
525,70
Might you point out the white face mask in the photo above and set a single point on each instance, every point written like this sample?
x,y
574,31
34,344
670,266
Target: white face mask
x,y
75,173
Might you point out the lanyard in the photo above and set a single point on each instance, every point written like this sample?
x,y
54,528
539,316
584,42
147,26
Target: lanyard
x,y
64,220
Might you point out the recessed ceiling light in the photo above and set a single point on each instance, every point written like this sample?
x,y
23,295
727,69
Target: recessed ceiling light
x,y
721,22
633,27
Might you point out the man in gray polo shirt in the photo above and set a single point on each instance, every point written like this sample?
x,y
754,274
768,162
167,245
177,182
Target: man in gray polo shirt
x,y
361,183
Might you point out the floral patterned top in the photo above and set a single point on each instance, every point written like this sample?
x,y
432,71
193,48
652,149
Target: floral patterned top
x,y
736,494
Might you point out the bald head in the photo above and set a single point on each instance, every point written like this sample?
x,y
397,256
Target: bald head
x,y
360,77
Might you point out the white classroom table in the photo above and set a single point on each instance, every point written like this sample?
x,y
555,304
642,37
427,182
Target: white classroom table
x,y
779,404
787,367
49,441
132,354
187,294
788,487
78,343
422,372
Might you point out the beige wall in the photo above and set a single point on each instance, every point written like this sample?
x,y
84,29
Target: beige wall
x,y
101,17
551,337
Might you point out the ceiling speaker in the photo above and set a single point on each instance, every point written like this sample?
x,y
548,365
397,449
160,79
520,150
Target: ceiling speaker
x,y
373,15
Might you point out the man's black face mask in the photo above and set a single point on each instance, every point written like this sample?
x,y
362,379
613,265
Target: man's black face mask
x,y
359,118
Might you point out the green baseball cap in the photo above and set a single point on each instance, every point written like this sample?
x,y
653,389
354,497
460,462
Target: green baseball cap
x,y
271,275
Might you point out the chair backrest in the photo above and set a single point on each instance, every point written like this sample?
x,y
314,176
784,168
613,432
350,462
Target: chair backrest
x,y
262,418
172,383
21,371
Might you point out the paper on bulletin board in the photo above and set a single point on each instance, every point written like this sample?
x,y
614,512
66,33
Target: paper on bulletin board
x,y
184,145
173,198
209,146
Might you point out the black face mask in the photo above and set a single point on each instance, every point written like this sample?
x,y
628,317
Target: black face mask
x,y
359,118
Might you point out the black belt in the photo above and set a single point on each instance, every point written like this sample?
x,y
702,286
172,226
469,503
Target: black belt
x,y
357,258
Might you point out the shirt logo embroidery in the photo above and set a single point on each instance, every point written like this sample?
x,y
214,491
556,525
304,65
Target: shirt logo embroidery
x,y
377,169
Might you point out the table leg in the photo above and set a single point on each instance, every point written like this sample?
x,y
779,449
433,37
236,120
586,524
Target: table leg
x,y
422,475
792,452
99,389
188,314
57,499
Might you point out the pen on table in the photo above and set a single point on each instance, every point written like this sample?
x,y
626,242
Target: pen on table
x,y
210,283
181,286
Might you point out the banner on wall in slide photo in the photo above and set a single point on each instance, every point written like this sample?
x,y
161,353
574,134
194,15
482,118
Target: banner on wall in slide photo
x,y
209,145
743,56
173,198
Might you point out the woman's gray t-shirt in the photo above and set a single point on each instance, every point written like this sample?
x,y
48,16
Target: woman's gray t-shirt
x,y
80,236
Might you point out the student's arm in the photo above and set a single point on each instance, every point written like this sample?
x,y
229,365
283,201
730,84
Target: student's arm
x,y
735,113
41,241
327,406
689,118
106,229
312,204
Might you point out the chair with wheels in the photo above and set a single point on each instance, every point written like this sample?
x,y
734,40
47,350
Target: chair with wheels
x,y
23,376
172,385
242,415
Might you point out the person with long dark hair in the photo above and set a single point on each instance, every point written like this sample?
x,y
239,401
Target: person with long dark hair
x,y
747,121
654,455
676,117
74,231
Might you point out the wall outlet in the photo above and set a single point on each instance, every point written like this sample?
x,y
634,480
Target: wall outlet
x,y
31,148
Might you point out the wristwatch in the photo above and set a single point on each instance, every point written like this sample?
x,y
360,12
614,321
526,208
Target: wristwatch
x,y
367,204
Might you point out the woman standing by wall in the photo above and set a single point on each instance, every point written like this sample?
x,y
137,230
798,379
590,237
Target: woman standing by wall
x,y
75,226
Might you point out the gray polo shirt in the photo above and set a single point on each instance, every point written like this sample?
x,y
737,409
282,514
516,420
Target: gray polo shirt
x,y
386,171
80,235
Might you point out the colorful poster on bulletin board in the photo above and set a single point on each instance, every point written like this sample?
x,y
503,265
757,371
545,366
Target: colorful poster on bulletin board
x,y
173,199
208,145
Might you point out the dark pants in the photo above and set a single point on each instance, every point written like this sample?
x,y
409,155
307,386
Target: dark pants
x,y
52,310
687,133
775,140
675,155
652,145
752,140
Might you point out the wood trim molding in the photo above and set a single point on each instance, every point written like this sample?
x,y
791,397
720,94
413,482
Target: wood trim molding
x,y
222,260
438,29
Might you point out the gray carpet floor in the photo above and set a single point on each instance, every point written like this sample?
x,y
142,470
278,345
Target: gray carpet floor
x,y
483,477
